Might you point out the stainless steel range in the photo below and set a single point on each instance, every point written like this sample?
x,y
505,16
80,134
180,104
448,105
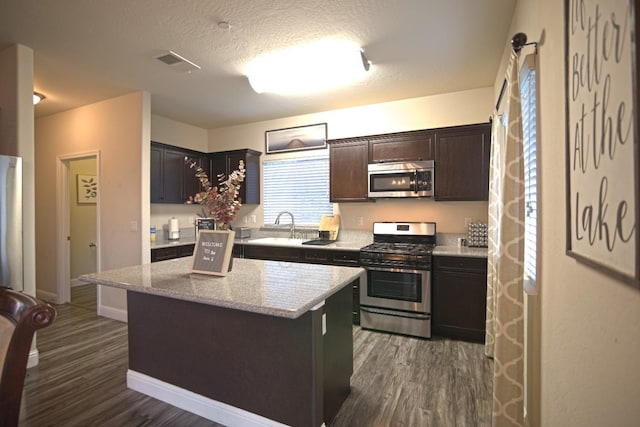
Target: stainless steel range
x,y
397,294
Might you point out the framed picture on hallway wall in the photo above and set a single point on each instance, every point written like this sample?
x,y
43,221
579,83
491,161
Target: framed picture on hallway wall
x,y
602,153
87,188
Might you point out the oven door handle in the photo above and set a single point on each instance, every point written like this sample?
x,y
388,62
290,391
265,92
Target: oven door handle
x,y
395,313
395,270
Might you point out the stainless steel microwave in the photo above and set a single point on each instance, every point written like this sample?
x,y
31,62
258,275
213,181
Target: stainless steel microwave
x,y
402,179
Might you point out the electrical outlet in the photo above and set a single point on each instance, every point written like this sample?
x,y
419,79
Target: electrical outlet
x,y
133,226
359,220
245,220
467,221
324,323
253,219
192,220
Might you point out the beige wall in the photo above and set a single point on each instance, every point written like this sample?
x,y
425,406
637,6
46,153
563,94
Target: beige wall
x,y
179,134
473,106
17,139
590,324
172,132
115,128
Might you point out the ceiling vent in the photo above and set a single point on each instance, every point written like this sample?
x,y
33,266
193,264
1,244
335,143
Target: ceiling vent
x,y
178,62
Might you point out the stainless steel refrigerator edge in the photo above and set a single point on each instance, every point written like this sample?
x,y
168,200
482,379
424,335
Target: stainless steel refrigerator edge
x,y
11,265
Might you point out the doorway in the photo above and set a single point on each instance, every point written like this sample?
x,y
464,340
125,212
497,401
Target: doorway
x,y
78,226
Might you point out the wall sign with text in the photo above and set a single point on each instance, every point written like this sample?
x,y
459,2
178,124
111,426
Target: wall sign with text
x,y
602,136
213,252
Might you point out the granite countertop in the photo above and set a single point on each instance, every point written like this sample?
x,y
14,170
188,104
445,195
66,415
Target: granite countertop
x,y
282,289
297,243
162,243
463,251
353,243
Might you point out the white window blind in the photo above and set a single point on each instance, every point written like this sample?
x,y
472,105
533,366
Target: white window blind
x,y
528,95
300,186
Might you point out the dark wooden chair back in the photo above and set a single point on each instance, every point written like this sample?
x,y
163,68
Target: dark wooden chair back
x,y
20,317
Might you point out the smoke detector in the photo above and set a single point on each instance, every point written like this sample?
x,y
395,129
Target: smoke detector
x,y
178,62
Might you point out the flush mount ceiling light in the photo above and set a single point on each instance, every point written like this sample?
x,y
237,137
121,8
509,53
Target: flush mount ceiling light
x,y
37,97
311,68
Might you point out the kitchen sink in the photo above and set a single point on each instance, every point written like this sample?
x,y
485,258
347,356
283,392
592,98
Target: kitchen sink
x,y
281,241
285,241
345,244
318,242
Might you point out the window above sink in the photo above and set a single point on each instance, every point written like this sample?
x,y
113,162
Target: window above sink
x,y
299,185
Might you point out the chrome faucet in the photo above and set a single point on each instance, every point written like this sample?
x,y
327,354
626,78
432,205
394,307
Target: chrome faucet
x,y
292,229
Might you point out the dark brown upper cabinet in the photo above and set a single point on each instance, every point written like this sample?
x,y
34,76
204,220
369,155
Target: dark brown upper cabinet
x,y
348,170
401,147
192,184
172,180
462,163
225,162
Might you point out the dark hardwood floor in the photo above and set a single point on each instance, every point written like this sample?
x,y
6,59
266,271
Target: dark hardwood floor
x,y
397,381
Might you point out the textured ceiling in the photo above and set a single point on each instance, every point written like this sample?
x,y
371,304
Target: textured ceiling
x,y
90,50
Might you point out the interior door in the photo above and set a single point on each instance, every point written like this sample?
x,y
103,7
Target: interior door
x,y
82,216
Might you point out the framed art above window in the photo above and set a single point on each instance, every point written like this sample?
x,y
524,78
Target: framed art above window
x,y
296,138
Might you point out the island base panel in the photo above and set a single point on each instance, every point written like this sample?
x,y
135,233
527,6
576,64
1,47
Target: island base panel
x,y
282,369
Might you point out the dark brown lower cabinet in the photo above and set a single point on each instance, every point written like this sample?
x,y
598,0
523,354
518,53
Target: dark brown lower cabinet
x,y
459,297
273,253
171,252
308,255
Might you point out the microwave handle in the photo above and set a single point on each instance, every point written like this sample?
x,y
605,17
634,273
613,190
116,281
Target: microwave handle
x,y
415,180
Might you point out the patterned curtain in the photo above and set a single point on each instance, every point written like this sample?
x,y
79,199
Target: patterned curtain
x,y
505,301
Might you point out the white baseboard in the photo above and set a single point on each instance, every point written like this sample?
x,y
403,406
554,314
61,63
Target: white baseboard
x,y
197,404
47,296
34,358
112,313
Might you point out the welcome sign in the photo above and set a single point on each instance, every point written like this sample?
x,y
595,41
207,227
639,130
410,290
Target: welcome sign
x,y
213,252
602,146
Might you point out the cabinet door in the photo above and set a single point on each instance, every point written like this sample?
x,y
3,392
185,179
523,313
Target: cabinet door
x,y
401,147
218,165
186,250
233,161
462,163
156,174
460,298
346,258
348,171
173,176
228,161
192,184
273,253
250,190
317,256
161,254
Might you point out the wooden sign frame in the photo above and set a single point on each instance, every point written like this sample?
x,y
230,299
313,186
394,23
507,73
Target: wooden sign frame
x,y
602,154
213,252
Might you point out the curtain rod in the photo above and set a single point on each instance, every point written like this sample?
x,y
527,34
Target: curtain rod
x,y
518,41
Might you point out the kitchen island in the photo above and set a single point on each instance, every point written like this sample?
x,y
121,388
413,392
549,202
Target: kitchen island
x,y
268,344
